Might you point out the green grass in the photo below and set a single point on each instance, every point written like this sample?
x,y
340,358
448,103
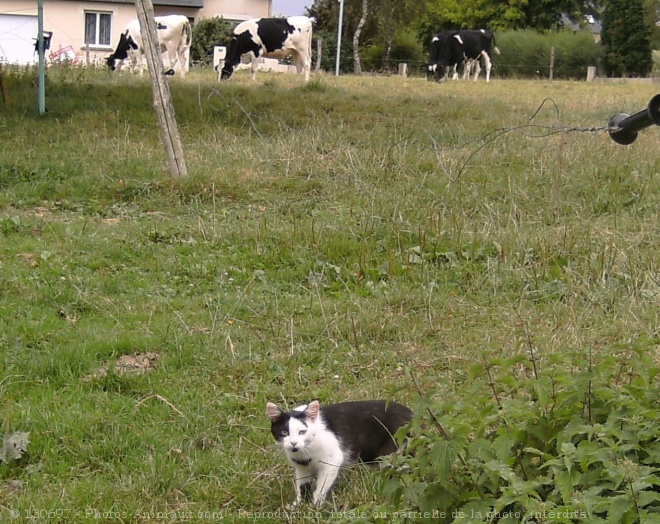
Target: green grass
x,y
329,239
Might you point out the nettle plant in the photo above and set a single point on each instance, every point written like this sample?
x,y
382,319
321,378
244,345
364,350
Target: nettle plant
x,y
564,438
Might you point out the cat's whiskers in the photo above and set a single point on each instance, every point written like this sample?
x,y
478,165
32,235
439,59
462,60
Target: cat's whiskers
x,y
329,464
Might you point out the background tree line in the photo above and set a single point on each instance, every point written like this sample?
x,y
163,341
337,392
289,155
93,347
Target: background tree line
x,y
380,33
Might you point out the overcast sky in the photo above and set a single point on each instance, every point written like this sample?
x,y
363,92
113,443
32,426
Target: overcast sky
x,y
290,7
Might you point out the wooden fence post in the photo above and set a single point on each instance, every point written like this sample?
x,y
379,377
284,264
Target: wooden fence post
x,y
319,53
591,73
161,89
552,63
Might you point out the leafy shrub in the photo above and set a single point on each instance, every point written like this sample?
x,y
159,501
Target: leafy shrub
x,y
527,54
563,438
405,48
329,52
372,57
207,33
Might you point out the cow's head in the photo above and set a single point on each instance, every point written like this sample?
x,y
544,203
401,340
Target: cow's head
x,y
226,70
244,40
436,72
126,44
430,71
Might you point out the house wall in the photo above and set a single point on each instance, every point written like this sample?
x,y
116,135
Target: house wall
x,y
236,10
65,18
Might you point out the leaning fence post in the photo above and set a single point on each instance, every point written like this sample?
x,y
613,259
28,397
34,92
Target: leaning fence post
x,y
161,89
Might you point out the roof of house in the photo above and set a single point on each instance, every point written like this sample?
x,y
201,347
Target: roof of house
x,y
174,3
591,24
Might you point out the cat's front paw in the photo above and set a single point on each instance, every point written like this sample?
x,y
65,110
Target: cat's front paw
x,y
293,506
318,502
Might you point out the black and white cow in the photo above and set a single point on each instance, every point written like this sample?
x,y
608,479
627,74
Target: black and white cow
x,y
271,38
174,37
451,49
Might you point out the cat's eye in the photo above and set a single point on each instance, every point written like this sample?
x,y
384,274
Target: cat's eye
x,y
302,432
284,432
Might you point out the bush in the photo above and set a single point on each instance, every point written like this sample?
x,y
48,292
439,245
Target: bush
x,y
206,34
329,52
563,438
527,54
405,48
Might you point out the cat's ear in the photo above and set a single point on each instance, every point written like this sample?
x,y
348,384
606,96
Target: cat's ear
x,y
273,412
312,411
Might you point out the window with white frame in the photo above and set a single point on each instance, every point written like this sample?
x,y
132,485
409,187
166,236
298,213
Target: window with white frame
x,y
98,27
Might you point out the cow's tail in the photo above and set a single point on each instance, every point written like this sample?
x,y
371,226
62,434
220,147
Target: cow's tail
x,y
187,31
186,42
497,51
312,21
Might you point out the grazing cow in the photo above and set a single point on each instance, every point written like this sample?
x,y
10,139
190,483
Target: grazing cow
x,y
174,36
272,38
453,48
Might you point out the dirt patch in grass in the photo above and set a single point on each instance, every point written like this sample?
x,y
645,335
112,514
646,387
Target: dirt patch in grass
x,y
139,364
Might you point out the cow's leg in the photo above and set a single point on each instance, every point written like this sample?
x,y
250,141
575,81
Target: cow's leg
x,y
488,65
174,60
467,69
303,63
184,59
457,65
298,60
139,64
477,69
255,66
306,61
172,57
181,59
219,68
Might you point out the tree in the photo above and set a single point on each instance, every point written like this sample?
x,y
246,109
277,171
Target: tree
x,y
394,17
652,15
626,39
385,19
501,14
356,36
207,33
326,13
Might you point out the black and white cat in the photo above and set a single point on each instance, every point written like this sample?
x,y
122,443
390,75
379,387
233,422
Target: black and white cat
x,y
319,441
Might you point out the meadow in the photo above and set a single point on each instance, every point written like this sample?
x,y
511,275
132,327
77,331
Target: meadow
x,y
347,239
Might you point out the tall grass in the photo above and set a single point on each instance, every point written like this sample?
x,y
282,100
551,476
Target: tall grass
x,y
330,237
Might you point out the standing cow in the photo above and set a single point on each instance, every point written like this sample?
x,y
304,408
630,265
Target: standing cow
x,y
174,37
271,38
450,49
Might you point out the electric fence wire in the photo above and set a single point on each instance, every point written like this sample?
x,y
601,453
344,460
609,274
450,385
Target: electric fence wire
x,y
493,135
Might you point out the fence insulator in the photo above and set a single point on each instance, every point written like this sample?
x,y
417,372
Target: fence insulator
x,y
624,128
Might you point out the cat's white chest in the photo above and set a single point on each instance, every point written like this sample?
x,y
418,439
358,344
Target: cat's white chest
x,y
322,450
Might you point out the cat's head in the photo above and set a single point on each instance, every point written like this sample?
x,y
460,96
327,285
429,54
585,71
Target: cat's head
x,y
296,429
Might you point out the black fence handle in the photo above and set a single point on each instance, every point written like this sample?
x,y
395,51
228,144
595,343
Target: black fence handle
x,y
624,128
